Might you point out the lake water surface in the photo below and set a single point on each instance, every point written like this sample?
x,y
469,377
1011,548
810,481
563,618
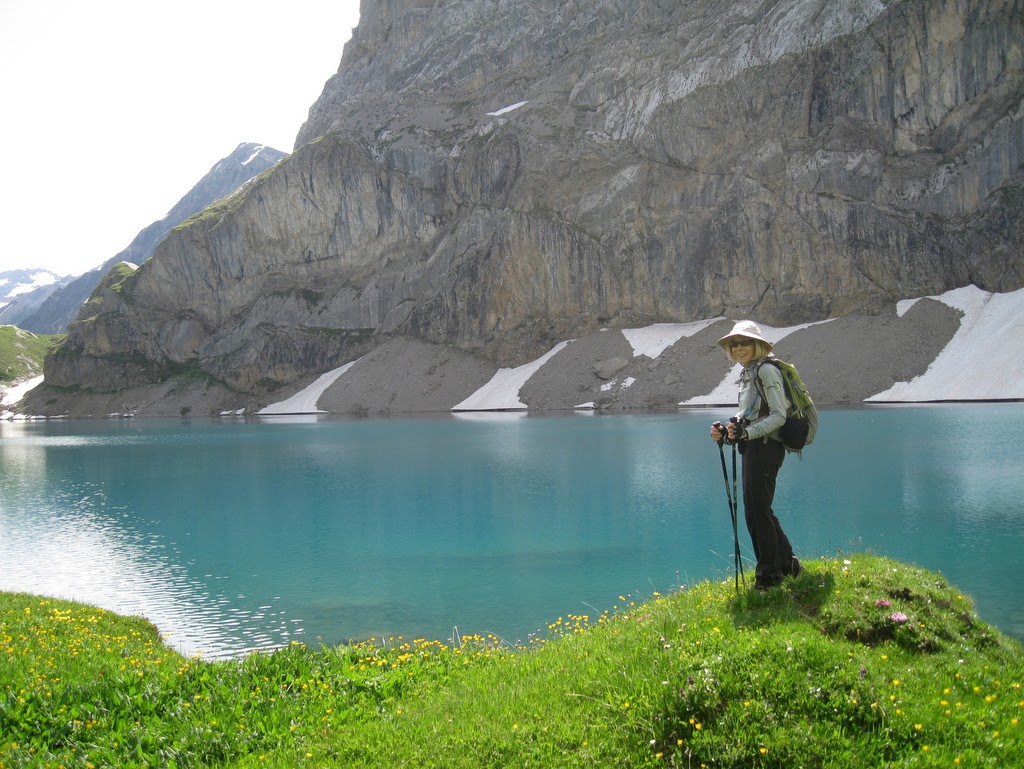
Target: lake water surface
x,y
237,535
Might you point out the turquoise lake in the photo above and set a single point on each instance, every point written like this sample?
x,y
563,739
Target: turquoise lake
x,y
235,535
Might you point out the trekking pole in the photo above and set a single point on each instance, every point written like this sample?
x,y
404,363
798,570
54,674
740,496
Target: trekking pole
x,y
735,515
733,504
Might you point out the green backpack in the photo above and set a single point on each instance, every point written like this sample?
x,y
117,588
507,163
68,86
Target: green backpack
x,y
802,418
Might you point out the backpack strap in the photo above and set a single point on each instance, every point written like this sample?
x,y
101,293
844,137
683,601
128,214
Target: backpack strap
x,y
759,386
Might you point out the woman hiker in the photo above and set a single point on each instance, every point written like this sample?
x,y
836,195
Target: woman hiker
x,y
755,429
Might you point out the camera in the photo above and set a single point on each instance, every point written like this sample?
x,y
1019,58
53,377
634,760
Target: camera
x,y
740,429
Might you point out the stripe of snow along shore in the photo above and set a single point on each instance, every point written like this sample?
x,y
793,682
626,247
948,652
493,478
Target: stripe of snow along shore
x,y
11,395
304,401
983,361
502,392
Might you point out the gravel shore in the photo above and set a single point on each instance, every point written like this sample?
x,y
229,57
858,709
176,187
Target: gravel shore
x,y
842,361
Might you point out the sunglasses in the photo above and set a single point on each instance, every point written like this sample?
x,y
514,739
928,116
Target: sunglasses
x,y
741,343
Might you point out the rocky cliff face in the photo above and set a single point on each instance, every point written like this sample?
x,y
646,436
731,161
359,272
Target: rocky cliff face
x,y
503,174
60,308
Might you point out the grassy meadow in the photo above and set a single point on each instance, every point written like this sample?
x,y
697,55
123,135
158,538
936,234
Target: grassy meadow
x,y
860,661
22,353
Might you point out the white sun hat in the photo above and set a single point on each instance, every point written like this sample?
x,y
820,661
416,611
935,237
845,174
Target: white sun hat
x,y
747,329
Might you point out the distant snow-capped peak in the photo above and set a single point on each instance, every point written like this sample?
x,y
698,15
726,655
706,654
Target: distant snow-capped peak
x,y
15,282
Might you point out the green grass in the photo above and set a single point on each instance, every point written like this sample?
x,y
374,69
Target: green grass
x,y
22,353
118,280
862,662
215,213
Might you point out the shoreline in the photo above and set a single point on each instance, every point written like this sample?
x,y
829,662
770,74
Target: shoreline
x,y
931,350
22,418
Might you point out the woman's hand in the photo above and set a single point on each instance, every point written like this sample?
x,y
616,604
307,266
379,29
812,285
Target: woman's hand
x,y
733,432
737,431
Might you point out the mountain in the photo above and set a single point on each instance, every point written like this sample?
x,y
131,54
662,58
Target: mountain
x,y
23,291
499,177
21,354
58,310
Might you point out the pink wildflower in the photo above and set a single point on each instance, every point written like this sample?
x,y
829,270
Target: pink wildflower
x,y
899,617
883,603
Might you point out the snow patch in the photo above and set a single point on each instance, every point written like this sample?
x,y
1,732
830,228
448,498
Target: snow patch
x,y
502,392
254,155
11,395
983,361
507,109
904,305
727,392
304,401
653,340
37,280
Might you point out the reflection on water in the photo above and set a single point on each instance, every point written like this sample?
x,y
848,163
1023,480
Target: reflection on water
x,y
236,535
75,547
68,541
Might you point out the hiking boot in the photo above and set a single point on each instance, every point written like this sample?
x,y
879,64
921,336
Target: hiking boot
x,y
796,567
767,582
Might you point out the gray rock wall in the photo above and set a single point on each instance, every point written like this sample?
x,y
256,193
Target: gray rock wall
x,y
788,161
227,175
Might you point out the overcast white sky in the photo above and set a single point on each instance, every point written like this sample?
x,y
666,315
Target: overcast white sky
x,y
113,109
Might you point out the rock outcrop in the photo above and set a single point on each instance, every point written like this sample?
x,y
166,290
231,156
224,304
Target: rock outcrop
x,y
60,308
499,175
662,366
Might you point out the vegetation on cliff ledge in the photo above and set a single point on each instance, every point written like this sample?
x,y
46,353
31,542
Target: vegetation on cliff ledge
x,y
860,661
22,353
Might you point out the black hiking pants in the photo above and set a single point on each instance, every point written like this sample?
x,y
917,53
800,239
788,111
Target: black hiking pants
x,y
762,459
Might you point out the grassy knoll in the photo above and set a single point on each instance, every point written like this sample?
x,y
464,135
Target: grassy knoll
x,y
859,662
22,353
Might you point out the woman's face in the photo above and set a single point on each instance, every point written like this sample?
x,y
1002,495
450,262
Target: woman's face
x,y
741,349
